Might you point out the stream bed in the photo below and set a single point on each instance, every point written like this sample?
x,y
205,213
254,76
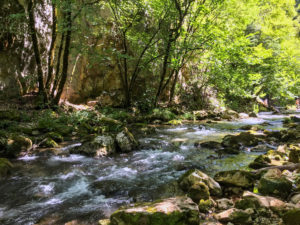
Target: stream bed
x,y
88,189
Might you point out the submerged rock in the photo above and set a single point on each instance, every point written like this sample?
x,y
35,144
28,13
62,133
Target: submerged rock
x,y
125,141
100,146
239,178
273,183
172,211
195,176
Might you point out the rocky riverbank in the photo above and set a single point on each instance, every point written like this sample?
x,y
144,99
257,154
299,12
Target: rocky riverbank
x,y
267,195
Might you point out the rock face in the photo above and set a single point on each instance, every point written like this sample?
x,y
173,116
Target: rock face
x,y
5,167
273,183
172,211
238,178
194,176
126,141
101,146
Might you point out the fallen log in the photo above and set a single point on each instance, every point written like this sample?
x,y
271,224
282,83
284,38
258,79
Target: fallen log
x,y
290,167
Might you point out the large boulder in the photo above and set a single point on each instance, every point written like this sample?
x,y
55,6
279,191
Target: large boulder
x,y
5,167
254,201
273,183
172,211
243,139
100,146
125,141
238,178
195,176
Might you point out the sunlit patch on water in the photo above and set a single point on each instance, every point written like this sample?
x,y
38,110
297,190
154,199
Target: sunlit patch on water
x,y
28,158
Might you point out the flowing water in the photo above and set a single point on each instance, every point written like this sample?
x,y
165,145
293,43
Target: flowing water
x,y
78,187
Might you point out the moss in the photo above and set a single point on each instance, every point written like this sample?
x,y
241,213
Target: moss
x,y
174,122
205,205
292,217
49,143
55,136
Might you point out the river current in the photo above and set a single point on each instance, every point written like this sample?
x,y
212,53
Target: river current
x,y
88,189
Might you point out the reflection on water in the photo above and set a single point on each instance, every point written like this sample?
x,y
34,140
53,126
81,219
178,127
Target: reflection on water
x,y
80,187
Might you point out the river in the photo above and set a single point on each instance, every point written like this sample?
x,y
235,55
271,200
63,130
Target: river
x,y
79,187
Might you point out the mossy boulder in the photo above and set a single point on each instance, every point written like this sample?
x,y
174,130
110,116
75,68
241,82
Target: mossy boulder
x,y
5,167
292,217
195,176
206,205
260,161
273,183
174,122
16,144
235,216
126,141
294,155
172,211
254,201
243,139
238,178
198,191
98,147
200,115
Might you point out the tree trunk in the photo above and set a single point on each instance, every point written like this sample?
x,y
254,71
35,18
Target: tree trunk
x,y
56,79
36,49
164,70
172,92
52,48
64,73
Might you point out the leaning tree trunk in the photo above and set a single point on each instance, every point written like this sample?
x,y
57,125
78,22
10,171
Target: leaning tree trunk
x,y
65,65
32,30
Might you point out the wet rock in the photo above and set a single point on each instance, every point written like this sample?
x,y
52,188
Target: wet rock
x,y
246,127
196,176
5,167
209,145
236,216
16,145
260,148
292,217
273,183
253,114
125,141
100,146
229,115
224,203
239,178
172,211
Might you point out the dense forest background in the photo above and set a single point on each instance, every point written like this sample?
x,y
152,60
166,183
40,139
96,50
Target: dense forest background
x,y
147,53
